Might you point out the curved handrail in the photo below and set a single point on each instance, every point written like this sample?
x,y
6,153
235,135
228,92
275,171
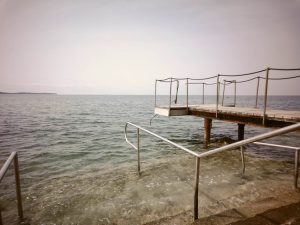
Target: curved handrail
x,y
159,137
126,139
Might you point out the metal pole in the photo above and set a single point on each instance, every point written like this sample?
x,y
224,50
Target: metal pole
x,y
243,159
187,93
6,165
296,168
257,89
1,223
138,150
217,96
170,101
234,93
155,93
18,187
196,188
223,92
203,93
266,95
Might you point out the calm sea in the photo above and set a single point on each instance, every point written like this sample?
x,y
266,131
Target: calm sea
x,y
77,169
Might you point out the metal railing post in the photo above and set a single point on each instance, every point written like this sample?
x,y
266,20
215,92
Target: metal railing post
x,y
170,98
187,93
18,187
138,150
266,96
1,223
196,216
224,84
203,93
217,101
296,168
257,89
243,159
234,93
155,93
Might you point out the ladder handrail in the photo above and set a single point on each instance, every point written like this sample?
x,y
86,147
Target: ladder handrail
x,y
240,144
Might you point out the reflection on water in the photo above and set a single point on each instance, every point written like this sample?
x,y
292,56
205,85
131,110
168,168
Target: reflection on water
x,y
77,169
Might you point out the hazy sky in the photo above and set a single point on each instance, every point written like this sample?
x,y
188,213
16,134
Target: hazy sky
x,y
122,46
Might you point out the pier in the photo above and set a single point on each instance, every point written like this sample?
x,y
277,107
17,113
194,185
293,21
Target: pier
x,y
240,115
263,117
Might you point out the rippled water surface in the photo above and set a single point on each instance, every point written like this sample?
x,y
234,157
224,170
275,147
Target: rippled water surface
x,y
77,169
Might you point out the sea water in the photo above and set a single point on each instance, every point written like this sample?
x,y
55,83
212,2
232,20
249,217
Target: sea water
x,y
76,167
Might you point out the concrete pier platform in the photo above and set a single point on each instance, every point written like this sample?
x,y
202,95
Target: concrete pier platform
x,y
244,115
239,115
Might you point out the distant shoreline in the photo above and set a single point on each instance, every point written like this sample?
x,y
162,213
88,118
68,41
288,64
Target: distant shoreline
x,y
27,93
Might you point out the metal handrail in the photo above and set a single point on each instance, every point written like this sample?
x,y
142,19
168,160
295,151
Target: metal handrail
x,y
13,158
267,78
159,137
240,144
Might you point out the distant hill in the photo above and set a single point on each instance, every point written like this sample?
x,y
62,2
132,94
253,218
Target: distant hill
x,y
27,93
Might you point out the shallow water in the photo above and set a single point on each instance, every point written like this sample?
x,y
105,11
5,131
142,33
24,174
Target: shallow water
x,y
77,169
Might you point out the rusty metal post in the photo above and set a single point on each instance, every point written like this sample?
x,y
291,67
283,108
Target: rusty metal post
x,y
241,131
257,89
196,210
207,129
18,187
266,96
203,93
296,168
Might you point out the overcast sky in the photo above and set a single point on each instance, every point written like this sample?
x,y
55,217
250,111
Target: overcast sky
x,y
122,46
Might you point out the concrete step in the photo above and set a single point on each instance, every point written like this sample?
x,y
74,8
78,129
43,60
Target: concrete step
x,y
282,209
289,214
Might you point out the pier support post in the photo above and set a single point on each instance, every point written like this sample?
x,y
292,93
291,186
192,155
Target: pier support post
x,y
241,130
207,128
